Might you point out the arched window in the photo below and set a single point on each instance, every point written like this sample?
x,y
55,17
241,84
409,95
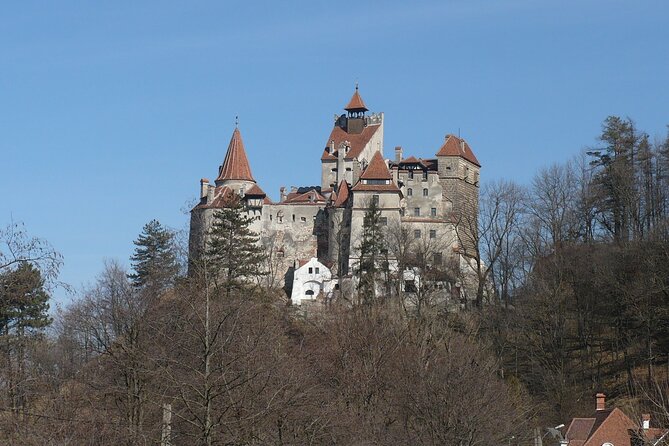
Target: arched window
x,y
409,192
309,292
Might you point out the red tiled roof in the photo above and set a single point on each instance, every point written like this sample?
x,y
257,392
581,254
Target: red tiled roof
x,y
357,142
580,428
377,169
410,160
236,164
310,196
255,190
453,146
342,196
223,197
356,103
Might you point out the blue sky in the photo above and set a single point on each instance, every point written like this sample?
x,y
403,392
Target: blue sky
x,y
110,113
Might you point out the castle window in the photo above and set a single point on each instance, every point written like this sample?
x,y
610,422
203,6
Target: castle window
x,y
334,169
433,212
416,233
293,217
270,217
280,253
348,169
311,270
411,174
303,219
383,221
433,233
375,200
425,192
425,175
409,192
416,212
318,270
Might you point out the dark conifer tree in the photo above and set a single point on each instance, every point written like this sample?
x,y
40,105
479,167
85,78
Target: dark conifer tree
x,y
24,313
371,250
154,260
233,254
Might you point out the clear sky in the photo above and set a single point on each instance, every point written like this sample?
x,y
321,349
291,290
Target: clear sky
x,y
111,112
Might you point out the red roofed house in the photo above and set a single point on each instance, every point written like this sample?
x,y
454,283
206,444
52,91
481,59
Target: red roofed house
x,y
425,197
612,427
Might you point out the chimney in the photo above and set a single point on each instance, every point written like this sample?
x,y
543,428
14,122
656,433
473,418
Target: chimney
x,y
645,421
331,147
601,401
204,187
462,145
282,193
398,154
210,194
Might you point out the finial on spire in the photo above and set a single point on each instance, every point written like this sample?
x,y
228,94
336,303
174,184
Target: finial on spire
x,y
237,121
356,85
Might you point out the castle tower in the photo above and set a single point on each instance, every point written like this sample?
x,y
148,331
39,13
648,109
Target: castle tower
x,y
459,176
351,144
234,178
375,185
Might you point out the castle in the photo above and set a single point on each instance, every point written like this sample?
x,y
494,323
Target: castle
x,y
422,202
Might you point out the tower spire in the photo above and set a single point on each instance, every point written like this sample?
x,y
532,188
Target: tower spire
x,y
236,165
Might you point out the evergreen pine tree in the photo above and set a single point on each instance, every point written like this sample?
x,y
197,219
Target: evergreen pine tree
x,y
154,260
371,250
233,253
24,313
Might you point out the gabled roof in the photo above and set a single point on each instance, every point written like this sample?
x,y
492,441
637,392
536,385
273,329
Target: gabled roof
x,y
356,103
255,191
343,193
377,169
236,164
357,142
454,146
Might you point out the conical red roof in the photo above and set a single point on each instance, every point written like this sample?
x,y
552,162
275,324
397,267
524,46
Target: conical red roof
x,y
377,169
236,164
356,103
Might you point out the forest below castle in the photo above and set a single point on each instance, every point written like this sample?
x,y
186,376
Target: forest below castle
x,y
571,298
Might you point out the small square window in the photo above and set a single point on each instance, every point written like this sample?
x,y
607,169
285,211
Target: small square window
x,y
311,270
416,212
318,270
433,233
416,233
433,212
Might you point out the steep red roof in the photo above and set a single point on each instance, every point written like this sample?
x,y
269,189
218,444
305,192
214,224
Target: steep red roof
x,y
223,197
377,169
310,196
255,190
236,164
454,146
357,142
343,194
356,103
